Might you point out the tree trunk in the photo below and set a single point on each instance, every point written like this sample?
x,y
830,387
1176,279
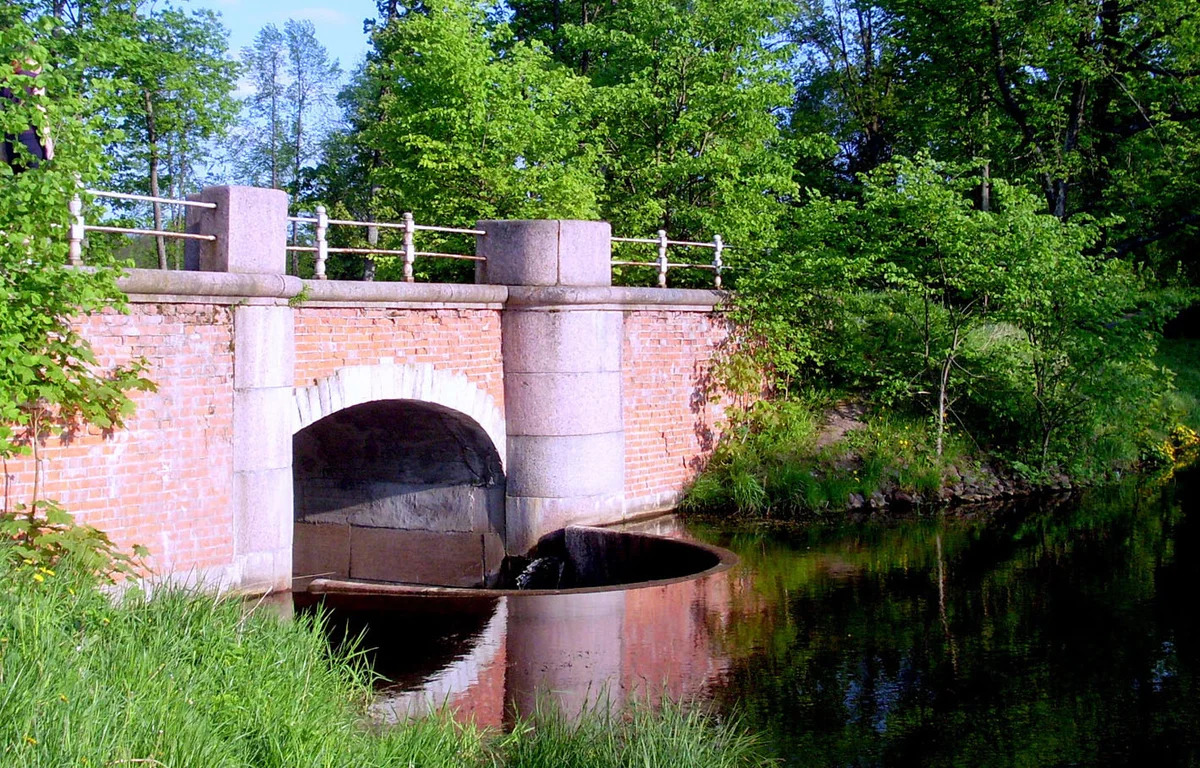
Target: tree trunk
x,y
152,139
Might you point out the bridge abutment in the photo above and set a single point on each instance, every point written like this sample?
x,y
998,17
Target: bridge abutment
x,y
562,376
250,226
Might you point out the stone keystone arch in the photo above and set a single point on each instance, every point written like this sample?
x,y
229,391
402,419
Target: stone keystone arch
x,y
357,384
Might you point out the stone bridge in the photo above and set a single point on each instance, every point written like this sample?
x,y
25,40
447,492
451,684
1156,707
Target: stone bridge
x,y
399,431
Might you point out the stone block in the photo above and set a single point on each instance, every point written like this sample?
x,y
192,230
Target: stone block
x,y
261,572
520,252
530,518
493,555
563,466
250,224
437,508
576,341
264,351
563,403
262,510
546,252
321,551
584,253
417,557
262,428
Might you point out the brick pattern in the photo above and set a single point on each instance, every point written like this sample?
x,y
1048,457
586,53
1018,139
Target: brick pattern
x,y
163,481
463,341
672,416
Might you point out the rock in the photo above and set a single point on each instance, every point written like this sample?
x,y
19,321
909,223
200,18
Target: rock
x,y
856,501
877,500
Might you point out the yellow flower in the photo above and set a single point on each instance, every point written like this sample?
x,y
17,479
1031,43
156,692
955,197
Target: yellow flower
x,y
31,740
39,577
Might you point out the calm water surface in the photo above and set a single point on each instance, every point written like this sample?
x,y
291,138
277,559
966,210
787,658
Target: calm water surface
x,y
1053,635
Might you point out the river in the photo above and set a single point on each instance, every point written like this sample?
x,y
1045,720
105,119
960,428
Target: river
x,y
1045,634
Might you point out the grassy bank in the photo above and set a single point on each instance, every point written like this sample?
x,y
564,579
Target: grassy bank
x,y
1183,357
779,460
185,680
777,463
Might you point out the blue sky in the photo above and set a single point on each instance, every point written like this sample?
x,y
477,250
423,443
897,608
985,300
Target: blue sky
x,y
339,24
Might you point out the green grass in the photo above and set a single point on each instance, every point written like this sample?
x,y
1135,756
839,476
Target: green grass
x,y
1183,357
187,680
770,465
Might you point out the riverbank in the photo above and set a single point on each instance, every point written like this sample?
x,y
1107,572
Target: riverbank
x,y
813,459
185,680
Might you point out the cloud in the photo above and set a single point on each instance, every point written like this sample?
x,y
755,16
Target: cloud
x,y
318,15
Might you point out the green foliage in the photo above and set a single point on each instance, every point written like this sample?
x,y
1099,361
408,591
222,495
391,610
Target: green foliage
x,y
687,99
774,463
457,121
49,377
1006,323
1182,357
43,536
670,736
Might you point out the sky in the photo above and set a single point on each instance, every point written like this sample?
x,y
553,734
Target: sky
x,y
339,24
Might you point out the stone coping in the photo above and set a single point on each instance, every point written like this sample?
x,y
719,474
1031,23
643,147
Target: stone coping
x,y
167,286
615,298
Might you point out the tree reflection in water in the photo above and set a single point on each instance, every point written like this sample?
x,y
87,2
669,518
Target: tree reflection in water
x,y
1060,635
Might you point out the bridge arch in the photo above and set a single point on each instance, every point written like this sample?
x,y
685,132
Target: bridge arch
x,y
398,475
358,384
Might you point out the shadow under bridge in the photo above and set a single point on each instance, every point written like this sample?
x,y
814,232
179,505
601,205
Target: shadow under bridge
x,y
398,491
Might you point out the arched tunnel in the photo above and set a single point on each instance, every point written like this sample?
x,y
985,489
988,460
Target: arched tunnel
x,y
399,491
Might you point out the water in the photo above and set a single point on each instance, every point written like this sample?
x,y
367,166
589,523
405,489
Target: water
x,y
1056,634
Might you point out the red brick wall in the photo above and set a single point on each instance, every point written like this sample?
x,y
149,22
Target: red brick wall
x,y
671,416
163,481
463,341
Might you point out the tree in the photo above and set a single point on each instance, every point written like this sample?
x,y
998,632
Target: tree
x,y
310,94
1094,101
174,84
688,104
262,155
849,80
458,121
49,378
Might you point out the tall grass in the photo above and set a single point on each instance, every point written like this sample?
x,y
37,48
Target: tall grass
x,y
187,680
770,463
668,736
1183,357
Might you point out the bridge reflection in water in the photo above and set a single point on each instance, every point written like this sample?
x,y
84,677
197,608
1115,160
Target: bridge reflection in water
x,y
489,654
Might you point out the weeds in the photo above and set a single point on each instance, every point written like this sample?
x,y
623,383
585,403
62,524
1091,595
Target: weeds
x,y
773,466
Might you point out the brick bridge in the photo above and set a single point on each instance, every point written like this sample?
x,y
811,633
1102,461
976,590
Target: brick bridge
x,y
399,431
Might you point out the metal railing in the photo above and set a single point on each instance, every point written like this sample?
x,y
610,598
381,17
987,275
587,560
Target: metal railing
x,y
663,264
79,228
408,251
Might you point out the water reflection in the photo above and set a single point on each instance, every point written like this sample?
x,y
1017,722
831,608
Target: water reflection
x,y
488,659
1053,636
1056,634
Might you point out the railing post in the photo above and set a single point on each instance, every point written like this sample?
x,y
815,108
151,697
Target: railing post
x,y
662,258
718,263
75,247
410,253
322,242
